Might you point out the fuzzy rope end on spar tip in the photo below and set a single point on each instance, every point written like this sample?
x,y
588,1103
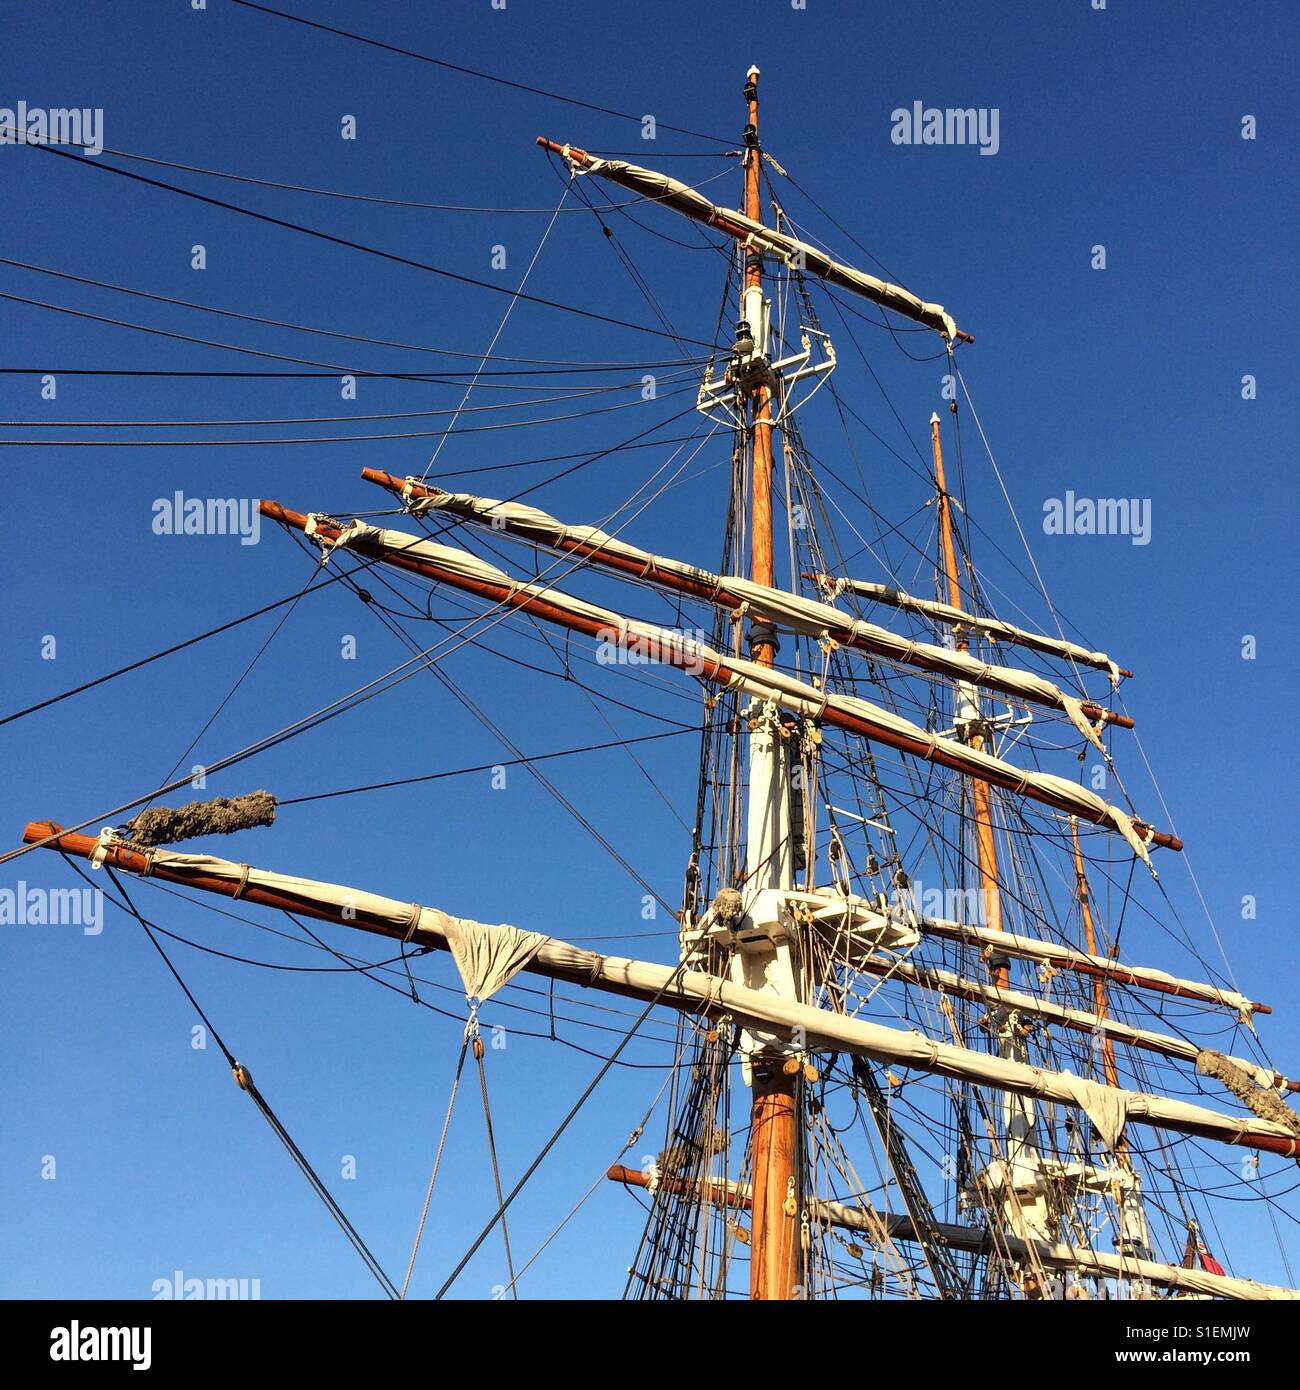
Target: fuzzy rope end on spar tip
x,y
164,825
1266,1103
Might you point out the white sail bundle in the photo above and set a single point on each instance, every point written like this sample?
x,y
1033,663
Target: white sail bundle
x,y
793,611
662,188
788,693
946,981
993,628
1109,1108
985,939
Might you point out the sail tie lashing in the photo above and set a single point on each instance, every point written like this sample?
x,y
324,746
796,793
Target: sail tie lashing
x,y
112,838
413,925
242,885
1242,1129
411,928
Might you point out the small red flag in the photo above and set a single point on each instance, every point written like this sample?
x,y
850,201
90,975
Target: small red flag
x,y
1208,1263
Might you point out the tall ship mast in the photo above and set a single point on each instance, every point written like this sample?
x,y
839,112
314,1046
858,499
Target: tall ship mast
x,y
910,1058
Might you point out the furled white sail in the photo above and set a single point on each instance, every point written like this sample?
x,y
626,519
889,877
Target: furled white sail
x,y
946,981
1053,953
662,188
488,957
762,682
792,611
994,628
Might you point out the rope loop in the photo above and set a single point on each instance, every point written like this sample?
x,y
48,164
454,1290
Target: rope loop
x,y
413,925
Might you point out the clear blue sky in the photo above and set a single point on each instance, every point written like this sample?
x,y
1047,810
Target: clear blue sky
x,y
1119,128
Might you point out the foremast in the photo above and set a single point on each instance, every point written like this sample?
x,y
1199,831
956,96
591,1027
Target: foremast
x,y
761,961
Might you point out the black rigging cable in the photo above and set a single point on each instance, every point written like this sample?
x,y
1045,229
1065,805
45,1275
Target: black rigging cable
x,y
488,767
474,72
169,651
245,1082
358,245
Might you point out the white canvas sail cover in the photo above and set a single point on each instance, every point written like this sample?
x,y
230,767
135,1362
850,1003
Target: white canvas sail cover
x,y
793,611
673,648
662,188
1034,948
488,957
820,1029
957,617
932,977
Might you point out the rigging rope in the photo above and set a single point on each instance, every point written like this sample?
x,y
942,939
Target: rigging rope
x,y
473,72
492,1150
437,1163
502,1208
350,245
245,1082
501,328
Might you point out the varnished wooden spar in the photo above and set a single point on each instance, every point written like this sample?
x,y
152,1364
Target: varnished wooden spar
x,y
1065,958
986,852
749,231
710,589
1090,941
1091,1264
715,669
999,994
690,992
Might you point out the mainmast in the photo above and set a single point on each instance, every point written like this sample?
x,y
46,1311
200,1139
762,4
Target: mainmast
x,y
768,859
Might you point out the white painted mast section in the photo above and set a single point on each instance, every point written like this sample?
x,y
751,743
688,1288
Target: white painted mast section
x,y
769,851
766,954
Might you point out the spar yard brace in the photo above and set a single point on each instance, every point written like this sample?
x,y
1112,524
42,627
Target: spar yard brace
x,y
799,915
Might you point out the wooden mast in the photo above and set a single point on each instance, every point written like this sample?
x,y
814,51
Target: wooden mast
x,y
1099,992
772,1246
1018,1113
986,849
